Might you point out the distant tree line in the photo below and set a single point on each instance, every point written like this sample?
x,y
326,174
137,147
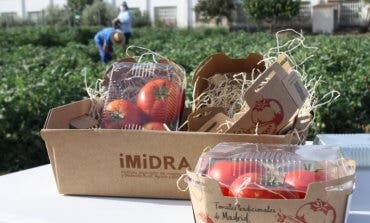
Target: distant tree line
x,y
260,11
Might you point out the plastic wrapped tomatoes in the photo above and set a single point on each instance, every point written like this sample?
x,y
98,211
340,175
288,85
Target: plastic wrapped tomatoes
x,y
144,96
270,171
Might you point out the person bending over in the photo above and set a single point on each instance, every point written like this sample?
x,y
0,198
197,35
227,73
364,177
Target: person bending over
x,y
104,41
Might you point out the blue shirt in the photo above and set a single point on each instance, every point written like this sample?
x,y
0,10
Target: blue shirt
x,y
125,17
103,37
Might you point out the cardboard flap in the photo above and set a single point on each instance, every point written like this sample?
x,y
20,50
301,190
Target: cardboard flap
x,y
274,71
197,180
209,60
47,118
320,188
60,117
220,63
198,118
216,124
301,123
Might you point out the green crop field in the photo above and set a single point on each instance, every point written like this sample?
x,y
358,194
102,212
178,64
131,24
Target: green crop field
x,y
42,67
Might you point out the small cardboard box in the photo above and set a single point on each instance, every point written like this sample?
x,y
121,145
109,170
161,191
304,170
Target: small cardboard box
x,y
321,204
275,105
220,63
128,163
274,99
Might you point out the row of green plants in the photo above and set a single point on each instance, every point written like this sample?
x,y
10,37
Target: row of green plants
x,y
44,67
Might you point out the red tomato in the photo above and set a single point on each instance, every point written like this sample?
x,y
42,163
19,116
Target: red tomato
x,y
247,186
154,126
225,172
161,100
120,114
300,179
225,191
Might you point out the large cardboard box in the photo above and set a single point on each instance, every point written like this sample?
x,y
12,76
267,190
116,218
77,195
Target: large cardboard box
x,y
126,162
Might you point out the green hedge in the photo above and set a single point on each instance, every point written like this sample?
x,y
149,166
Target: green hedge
x,y
42,67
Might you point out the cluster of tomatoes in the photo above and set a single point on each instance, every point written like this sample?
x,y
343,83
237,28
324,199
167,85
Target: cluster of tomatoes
x,y
249,179
158,102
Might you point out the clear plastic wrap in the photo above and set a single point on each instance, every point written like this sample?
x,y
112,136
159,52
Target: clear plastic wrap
x,y
144,96
271,171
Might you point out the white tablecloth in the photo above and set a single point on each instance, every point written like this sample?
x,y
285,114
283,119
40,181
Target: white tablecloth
x,y
359,204
31,196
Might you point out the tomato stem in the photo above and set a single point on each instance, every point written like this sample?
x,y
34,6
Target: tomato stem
x,y
162,92
117,116
310,167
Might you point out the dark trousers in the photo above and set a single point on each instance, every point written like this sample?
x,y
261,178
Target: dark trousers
x,y
127,38
104,56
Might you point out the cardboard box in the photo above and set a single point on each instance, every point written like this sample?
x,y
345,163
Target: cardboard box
x,y
275,105
273,100
210,119
126,162
219,63
320,204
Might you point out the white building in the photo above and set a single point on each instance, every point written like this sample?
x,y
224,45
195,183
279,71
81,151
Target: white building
x,y
27,8
178,12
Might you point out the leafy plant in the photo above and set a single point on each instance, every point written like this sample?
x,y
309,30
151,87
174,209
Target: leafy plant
x,y
215,9
99,13
140,19
272,11
78,5
7,21
55,15
43,67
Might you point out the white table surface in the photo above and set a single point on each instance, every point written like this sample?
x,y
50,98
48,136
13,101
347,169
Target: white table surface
x,y
359,203
31,196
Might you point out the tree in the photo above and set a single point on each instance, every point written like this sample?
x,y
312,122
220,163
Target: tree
x,y
215,9
56,15
272,11
99,13
78,5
